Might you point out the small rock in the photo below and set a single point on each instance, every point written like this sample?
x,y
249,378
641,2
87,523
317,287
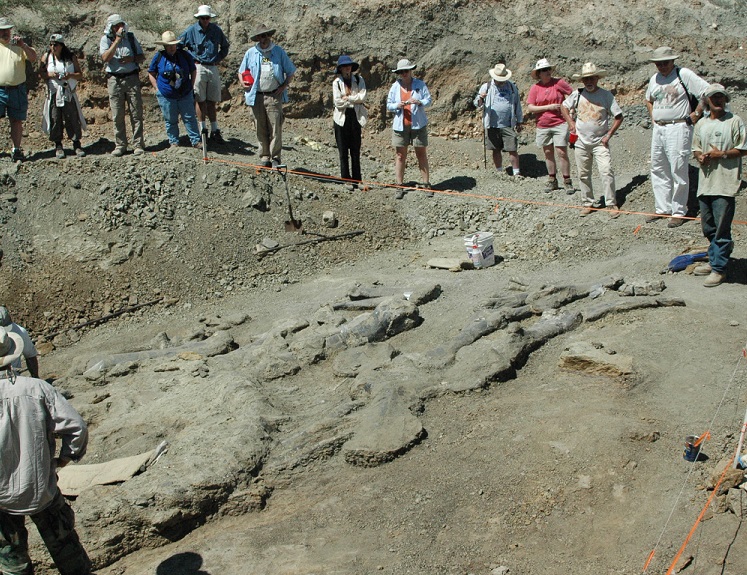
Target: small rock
x,y
329,219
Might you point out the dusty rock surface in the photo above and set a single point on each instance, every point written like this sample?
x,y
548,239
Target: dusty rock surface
x,y
342,406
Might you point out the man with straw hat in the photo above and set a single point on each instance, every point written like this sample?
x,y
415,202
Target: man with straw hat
x,y
588,111
672,99
719,142
207,44
272,72
33,413
502,116
14,102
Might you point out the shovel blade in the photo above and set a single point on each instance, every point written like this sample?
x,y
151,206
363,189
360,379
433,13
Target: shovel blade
x,y
293,226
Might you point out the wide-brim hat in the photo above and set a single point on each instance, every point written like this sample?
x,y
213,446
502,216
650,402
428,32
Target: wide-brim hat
x,y
541,64
663,54
204,10
404,64
11,347
115,19
588,70
168,38
345,60
56,39
261,29
716,89
499,73
5,24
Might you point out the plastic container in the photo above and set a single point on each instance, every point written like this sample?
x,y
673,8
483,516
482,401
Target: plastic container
x,y
692,451
480,249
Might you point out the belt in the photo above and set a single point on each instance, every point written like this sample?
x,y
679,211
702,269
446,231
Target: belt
x,y
669,122
270,93
122,75
10,87
204,63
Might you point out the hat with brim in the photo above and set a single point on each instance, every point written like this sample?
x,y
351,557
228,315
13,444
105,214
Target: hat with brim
x,y
663,54
542,64
5,24
168,38
716,89
403,65
261,30
499,73
205,11
115,19
5,319
590,70
11,347
346,61
56,39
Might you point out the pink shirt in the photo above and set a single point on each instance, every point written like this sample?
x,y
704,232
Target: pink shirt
x,y
553,93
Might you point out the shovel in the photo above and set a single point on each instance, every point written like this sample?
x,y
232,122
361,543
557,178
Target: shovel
x,y
292,225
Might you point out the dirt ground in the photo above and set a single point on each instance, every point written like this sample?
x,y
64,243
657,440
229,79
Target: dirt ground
x,y
555,469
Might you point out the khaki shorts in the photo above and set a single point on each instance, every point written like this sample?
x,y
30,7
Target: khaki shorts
x,y
502,139
207,84
408,136
556,136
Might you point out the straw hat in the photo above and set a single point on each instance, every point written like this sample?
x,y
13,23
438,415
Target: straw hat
x,y
5,24
588,70
500,73
541,64
11,347
716,89
346,61
663,54
261,29
404,64
204,10
168,38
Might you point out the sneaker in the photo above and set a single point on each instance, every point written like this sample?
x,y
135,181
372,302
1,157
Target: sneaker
x,y
428,189
400,193
80,152
703,270
552,185
138,151
119,151
217,137
714,279
266,164
675,222
17,155
614,213
568,186
59,153
586,211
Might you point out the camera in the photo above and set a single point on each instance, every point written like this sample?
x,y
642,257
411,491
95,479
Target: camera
x,y
170,75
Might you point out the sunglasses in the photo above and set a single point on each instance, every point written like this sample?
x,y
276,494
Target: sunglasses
x,y
544,69
260,36
53,44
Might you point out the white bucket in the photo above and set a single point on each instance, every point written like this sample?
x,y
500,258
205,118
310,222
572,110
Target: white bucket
x,y
480,249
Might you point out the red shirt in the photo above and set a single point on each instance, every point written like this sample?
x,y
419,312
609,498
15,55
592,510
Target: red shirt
x,y
553,93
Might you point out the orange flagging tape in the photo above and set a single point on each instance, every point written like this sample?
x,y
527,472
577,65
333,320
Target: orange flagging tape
x,y
368,184
702,438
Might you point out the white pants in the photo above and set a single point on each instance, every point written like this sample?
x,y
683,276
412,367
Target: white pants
x,y
586,155
670,154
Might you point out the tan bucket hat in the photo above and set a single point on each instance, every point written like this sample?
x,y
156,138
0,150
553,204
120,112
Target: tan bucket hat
x,y
499,73
168,38
716,89
588,70
663,54
261,29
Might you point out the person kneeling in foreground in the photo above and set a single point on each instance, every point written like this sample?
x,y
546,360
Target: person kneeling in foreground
x,y
719,142
33,412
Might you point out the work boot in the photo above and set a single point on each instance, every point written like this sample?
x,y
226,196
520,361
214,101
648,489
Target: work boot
x,y
17,155
79,151
714,279
675,222
400,193
568,186
552,185
119,151
138,151
703,270
217,137
59,152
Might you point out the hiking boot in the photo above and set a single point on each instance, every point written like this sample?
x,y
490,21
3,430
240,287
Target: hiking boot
x,y
79,151
217,137
197,145
266,164
654,218
568,186
675,222
714,279
17,155
552,185
119,151
276,163
427,187
703,270
400,193
586,211
614,213
59,153
138,151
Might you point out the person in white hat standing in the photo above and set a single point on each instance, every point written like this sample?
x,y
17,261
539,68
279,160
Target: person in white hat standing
x,y
122,54
34,413
407,100
672,98
207,44
14,102
545,99
272,71
502,116
588,111
719,142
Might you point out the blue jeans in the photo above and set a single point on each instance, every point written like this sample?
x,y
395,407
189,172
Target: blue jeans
x,y
172,108
716,215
